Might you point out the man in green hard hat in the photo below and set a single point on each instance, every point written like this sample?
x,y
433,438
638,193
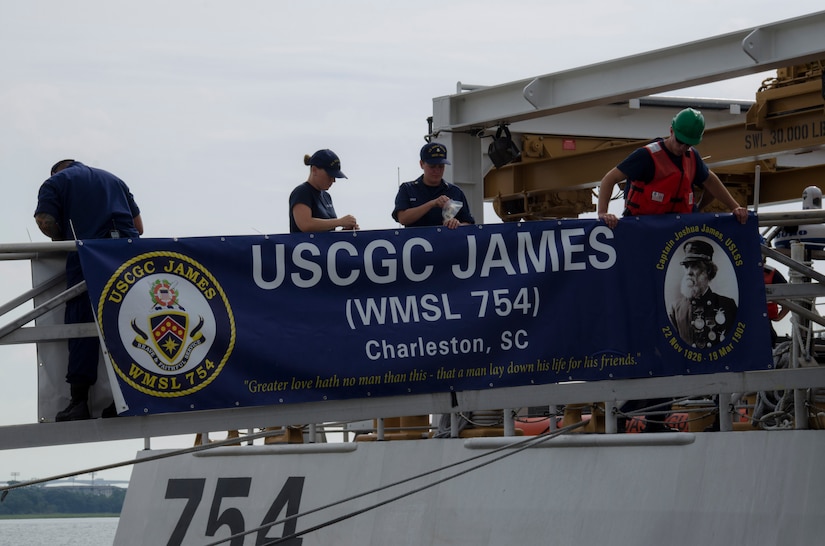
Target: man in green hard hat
x,y
662,175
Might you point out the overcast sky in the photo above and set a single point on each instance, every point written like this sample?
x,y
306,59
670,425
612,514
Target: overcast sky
x,y
206,109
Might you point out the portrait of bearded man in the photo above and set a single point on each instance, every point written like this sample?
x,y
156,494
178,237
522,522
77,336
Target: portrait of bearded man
x,y
703,318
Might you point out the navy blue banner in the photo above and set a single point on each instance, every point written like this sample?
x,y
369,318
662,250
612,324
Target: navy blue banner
x,y
220,322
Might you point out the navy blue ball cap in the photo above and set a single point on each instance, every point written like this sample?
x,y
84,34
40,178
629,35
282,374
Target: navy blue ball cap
x,y
434,153
327,160
697,251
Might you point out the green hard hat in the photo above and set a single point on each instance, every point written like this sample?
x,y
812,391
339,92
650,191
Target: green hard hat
x,y
688,126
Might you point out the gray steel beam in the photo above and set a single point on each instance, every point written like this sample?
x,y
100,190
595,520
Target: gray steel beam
x,y
38,248
43,308
741,53
33,293
54,332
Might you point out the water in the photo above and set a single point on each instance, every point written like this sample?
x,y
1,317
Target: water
x,y
58,532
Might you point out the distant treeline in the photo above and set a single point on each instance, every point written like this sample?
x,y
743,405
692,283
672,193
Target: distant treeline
x,y
63,500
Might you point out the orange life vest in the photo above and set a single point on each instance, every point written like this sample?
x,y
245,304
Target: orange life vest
x,y
670,190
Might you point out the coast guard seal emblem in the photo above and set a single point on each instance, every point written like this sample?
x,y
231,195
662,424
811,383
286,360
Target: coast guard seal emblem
x,y
171,341
173,327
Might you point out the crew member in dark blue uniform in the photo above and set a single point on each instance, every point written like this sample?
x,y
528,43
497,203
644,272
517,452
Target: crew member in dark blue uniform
x,y
79,202
430,200
423,201
310,205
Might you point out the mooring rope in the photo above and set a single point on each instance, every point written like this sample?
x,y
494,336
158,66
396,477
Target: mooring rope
x,y
511,449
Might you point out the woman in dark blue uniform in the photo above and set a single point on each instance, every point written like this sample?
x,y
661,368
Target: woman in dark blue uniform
x,y
310,206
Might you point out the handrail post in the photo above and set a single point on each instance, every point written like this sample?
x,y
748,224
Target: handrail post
x,y
454,425
610,425
509,424
799,401
725,418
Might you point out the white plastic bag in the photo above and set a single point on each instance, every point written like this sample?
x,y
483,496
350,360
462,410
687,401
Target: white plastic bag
x,y
451,209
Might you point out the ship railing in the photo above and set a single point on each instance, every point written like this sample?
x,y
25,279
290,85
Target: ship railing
x,y
803,378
